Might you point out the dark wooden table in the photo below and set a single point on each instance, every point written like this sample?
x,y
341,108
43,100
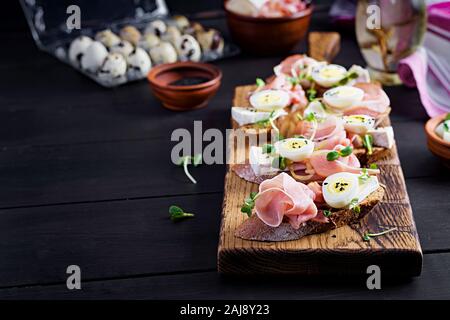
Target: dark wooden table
x,y
86,179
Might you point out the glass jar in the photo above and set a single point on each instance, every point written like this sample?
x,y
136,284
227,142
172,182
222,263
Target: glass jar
x,y
388,31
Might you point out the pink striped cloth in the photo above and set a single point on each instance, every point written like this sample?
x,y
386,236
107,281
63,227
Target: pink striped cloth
x,y
428,68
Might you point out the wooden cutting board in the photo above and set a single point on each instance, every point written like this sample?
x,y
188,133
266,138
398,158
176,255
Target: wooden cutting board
x,y
338,252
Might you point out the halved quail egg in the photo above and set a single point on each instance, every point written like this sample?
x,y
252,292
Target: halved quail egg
x,y
343,97
340,189
270,100
295,149
328,75
358,124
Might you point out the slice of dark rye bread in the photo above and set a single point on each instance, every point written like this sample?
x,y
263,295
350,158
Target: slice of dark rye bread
x,y
254,229
377,154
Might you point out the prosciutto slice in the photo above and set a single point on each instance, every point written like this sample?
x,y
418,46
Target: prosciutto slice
x,y
375,102
317,189
326,135
286,66
324,168
340,138
296,92
281,197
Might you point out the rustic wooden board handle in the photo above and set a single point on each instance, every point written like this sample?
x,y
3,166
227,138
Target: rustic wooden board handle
x,y
324,45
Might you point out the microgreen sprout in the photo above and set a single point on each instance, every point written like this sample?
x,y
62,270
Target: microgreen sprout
x,y
269,121
349,76
178,214
186,160
327,213
364,176
260,82
344,152
355,206
265,122
249,204
268,148
312,93
279,163
369,235
368,143
310,117
373,166
294,81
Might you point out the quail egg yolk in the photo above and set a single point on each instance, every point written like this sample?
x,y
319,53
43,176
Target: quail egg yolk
x,y
345,92
296,144
339,185
356,119
268,98
330,72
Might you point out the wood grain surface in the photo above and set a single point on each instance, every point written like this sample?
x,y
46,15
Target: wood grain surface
x,y
341,251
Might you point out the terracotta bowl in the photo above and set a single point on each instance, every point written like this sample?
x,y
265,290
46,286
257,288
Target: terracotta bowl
x,y
436,144
184,97
268,36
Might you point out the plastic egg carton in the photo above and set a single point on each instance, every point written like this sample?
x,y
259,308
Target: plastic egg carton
x,y
120,44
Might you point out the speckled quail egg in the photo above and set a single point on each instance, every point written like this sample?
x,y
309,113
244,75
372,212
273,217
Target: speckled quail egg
x,y
123,47
342,97
157,27
149,41
139,63
94,56
188,48
114,66
172,35
77,49
181,22
194,28
163,53
107,37
210,41
130,34
328,75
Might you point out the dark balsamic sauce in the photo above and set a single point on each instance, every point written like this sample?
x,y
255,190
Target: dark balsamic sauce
x,y
189,81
